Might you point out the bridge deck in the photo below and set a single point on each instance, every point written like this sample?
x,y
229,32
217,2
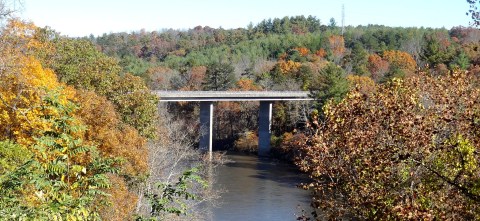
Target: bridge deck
x,y
168,96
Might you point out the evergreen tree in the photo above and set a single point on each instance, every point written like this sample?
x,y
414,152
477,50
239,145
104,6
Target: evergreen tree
x,y
330,83
219,77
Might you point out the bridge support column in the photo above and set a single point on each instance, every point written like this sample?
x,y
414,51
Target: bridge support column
x,y
264,125
206,126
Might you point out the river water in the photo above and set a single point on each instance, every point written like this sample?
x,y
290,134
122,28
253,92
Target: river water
x,y
259,189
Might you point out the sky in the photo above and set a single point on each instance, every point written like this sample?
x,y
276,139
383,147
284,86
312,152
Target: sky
x,y
78,18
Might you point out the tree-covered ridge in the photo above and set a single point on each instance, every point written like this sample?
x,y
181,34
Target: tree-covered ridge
x,y
251,50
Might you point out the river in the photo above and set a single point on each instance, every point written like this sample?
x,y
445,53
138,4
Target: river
x,y
259,189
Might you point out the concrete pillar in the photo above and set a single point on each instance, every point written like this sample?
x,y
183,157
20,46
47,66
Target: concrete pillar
x,y
206,126
264,125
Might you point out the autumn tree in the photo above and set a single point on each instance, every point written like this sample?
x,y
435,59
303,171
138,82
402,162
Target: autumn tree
x,y
57,170
400,63
377,67
407,150
337,47
80,64
69,139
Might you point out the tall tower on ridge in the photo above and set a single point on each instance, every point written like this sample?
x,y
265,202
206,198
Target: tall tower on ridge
x,y
343,19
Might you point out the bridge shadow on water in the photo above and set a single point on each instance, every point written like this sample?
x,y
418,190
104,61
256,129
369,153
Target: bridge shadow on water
x,y
268,169
259,188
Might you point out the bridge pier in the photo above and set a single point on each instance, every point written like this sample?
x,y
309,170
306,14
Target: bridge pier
x,y
264,127
206,126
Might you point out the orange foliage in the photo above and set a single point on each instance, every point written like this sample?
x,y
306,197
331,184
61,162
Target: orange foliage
x,y
248,142
123,201
303,51
114,139
289,66
337,45
377,66
321,53
401,60
245,84
288,148
195,79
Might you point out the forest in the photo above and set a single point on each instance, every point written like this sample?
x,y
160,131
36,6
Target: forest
x,y
393,134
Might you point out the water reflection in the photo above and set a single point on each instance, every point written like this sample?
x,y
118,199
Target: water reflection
x,y
259,189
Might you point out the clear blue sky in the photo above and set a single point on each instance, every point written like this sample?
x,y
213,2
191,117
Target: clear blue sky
x,y
84,17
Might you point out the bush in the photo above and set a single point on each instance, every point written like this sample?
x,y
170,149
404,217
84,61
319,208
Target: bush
x,y
248,142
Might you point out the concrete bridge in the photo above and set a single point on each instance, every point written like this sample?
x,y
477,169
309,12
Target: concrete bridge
x,y
207,98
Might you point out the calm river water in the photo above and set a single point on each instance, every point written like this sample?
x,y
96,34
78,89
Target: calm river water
x,y
259,189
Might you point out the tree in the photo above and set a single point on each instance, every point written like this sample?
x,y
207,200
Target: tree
x,y
438,49
78,63
474,13
401,64
58,175
219,77
337,47
136,104
460,61
359,59
400,60
61,169
406,150
7,11
332,24
329,83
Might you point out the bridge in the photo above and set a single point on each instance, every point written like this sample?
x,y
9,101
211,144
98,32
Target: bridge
x,y
207,98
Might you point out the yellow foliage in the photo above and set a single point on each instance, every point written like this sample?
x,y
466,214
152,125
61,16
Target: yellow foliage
x,y
363,83
289,66
38,77
23,83
122,202
401,60
20,35
113,138
247,142
21,90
